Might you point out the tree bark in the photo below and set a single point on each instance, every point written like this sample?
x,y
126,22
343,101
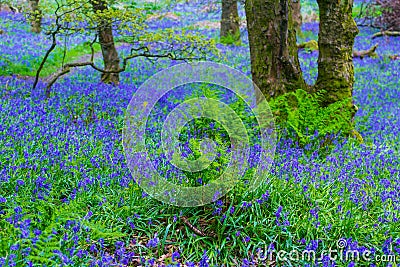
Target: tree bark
x,y
36,19
297,18
230,28
275,65
337,31
109,52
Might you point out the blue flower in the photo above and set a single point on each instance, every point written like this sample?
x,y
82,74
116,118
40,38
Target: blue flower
x,y
14,247
175,256
152,243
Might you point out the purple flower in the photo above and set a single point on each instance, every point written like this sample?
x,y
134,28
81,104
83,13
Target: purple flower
x,y
232,210
37,232
152,243
88,215
204,260
14,247
217,211
314,213
175,256
93,248
219,203
151,261
278,212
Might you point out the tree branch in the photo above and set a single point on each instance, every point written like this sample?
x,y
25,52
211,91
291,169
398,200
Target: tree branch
x,y
67,67
313,45
385,33
364,53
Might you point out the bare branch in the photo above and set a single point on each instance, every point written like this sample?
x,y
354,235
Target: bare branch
x,y
385,33
366,53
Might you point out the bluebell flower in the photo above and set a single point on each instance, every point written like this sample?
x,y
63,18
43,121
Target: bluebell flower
x,y
15,247
152,243
175,256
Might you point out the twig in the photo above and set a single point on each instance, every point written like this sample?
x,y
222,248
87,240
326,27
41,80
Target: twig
x,y
192,227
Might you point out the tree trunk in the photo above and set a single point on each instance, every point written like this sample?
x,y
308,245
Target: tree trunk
x,y
337,31
106,38
230,28
297,18
275,65
36,19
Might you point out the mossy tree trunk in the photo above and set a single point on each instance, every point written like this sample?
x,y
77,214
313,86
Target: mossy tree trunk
x,y
230,28
36,16
337,32
275,65
108,49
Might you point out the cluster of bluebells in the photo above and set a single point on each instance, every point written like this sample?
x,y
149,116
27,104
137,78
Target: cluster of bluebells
x,y
41,140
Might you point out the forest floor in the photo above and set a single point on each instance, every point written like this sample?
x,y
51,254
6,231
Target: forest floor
x,y
67,196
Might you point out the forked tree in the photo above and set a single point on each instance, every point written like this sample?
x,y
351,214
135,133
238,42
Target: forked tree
x,y
275,64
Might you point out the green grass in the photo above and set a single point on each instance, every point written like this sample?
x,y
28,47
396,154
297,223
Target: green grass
x,y
52,64
109,220
226,246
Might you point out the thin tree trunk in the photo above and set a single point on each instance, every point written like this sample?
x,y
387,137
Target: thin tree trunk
x,y
36,19
337,31
275,65
230,28
106,38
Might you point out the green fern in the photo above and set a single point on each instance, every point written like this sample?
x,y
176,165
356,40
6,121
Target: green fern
x,y
300,113
8,235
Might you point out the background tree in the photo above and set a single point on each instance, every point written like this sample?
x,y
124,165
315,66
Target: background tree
x,y
35,16
230,22
337,31
106,40
297,18
275,66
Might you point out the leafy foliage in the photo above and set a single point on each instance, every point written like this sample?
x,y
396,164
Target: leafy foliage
x,y
129,22
301,113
